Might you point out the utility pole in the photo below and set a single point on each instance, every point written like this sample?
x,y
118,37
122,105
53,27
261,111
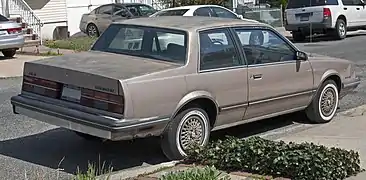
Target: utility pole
x,y
173,3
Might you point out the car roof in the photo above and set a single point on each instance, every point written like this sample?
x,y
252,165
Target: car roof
x,y
188,23
191,7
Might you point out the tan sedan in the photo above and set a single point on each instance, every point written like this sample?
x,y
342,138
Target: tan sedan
x,y
181,78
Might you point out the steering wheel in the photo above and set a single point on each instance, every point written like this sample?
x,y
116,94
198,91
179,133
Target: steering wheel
x,y
217,42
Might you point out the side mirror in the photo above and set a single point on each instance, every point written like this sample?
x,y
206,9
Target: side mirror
x,y
302,56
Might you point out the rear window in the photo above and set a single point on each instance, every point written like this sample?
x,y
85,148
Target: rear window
x,y
309,3
3,18
150,42
178,12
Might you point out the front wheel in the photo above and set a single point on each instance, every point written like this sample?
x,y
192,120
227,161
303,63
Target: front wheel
x,y
189,127
324,105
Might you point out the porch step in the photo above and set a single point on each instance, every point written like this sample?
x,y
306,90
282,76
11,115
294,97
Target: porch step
x,y
35,42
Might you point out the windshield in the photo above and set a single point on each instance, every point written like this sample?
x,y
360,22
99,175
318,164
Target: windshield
x,y
151,42
146,10
3,18
177,12
308,3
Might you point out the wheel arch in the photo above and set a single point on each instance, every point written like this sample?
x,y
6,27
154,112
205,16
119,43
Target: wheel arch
x,y
343,17
330,74
203,99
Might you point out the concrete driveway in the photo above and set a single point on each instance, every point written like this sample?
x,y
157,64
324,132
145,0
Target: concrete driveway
x,y
13,67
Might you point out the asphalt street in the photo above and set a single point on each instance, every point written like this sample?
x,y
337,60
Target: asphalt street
x,y
33,150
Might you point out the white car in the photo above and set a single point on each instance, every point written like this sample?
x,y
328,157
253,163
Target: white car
x,y
200,10
333,17
207,10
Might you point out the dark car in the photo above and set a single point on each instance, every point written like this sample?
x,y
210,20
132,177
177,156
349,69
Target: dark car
x,y
95,22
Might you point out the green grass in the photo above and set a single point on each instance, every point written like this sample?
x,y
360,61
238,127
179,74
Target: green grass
x,y
92,173
206,173
76,44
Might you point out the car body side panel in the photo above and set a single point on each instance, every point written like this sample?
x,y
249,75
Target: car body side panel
x,y
282,87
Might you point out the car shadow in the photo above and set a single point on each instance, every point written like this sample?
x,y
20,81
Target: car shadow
x,y
2,58
325,38
61,148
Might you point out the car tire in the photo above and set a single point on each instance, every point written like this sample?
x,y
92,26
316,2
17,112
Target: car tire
x,y
340,29
92,30
88,137
173,140
325,103
298,36
9,53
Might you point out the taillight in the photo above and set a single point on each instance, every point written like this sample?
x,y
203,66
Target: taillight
x,y
41,86
103,101
14,30
326,12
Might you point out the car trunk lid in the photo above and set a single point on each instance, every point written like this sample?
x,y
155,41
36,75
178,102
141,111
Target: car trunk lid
x,y
94,70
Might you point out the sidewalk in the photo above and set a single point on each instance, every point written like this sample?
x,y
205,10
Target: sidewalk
x,y
347,130
13,67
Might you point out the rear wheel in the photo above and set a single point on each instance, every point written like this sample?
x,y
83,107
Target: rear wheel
x,y
341,29
92,30
9,53
189,127
324,105
298,36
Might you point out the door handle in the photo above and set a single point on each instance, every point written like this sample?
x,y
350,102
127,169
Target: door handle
x,y
257,76
358,8
345,8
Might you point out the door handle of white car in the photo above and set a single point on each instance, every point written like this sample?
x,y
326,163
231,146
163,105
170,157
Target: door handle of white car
x,y
257,76
345,8
358,8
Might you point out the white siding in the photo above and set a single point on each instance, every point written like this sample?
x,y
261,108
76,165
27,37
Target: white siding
x,y
49,11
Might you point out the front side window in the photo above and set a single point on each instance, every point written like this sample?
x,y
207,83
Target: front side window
x,y
151,42
204,11
146,10
217,50
177,12
106,10
264,46
3,18
223,13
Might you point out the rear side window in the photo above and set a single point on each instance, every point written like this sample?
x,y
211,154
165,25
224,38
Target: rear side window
x,y
3,18
178,12
309,3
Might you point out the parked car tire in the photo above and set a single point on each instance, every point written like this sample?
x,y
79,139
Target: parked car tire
x,y
88,137
9,53
340,29
92,30
189,126
325,103
298,36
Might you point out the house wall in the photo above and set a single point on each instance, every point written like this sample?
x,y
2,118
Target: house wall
x,y
52,13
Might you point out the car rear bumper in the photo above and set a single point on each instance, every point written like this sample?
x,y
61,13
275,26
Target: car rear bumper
x,y
12,43
349,87
93,124
317,27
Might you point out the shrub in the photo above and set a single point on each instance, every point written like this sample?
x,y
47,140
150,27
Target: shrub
x,y
92,173
206,173
76,44
305,161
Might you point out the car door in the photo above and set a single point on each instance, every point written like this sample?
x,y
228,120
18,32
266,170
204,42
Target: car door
x,y
121,13
277,82
361,12
222,73
351,10
104,17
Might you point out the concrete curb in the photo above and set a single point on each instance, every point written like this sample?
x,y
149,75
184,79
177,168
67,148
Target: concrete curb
x,y
137,171
357,111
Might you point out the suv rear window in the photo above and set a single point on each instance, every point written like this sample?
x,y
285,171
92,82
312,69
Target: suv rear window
x,y
178,12
308,3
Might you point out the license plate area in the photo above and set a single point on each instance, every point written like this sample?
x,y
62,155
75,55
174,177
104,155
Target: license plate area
x,y
71,93
304,18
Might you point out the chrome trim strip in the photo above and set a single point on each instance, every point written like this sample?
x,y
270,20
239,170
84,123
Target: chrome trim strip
x,y
235,106
245,121
351,84
281,97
